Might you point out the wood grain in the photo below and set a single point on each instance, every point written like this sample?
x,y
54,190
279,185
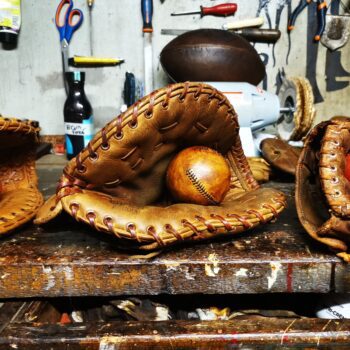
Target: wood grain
x,y
258,333
70,259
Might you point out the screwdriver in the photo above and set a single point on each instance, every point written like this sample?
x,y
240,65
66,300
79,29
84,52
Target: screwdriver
x,y
218,10
147,13
83,61
90,5
250,34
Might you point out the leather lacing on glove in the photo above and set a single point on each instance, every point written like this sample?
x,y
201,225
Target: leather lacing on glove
x,y
322,190
19,196
117,183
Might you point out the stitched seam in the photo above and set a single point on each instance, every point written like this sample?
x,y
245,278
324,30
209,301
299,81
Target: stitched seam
x,y
176,91
17,125
333,187
186,234
199,186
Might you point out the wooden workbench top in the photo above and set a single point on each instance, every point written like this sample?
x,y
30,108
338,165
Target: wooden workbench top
x,y
70,259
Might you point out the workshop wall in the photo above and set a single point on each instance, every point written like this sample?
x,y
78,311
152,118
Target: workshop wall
x,y
31,84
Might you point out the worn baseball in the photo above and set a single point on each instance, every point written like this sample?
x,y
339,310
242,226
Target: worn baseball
x,y
198,175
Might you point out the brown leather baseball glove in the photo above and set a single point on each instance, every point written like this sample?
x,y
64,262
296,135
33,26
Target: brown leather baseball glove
x,y
281,155
19,196
322,190
116,184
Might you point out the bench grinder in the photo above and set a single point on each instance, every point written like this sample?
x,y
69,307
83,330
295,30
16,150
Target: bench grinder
x,y
291,111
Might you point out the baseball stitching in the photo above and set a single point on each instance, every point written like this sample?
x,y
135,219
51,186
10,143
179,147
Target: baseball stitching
x,y
200,187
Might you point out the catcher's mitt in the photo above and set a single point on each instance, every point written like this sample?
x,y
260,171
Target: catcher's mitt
x,y
322,190
116,184
19,196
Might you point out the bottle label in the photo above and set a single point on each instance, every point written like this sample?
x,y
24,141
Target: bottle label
x,y
10,14
84,130
76,129
77,75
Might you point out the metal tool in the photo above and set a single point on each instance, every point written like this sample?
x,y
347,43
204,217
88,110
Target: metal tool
x,y
82,61
147,13
129,89
265,60
257,109
66,28
281,4
218,10
321,16
312,53
295,95
133,90
264,5
245,23
90,4
337,31
250,34
337,77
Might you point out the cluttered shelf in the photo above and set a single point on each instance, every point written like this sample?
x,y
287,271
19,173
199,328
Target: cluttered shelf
x,y
65,258
273,333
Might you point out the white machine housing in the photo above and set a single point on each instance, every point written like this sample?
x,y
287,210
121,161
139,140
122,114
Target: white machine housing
x,y
255,108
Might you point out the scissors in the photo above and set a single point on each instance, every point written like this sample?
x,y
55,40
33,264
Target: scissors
x,y
321,8
67,28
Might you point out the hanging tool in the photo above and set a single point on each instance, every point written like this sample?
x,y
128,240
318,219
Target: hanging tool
x,y
250,34
281,4
250,22
321,16
263,5
336,76
312,50
265,60
334,71
90,4
66,28
337,31
218,10
147,13
82,61
133,90
129,89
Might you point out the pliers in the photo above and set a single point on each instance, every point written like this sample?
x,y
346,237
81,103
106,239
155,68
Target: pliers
x,y
321,16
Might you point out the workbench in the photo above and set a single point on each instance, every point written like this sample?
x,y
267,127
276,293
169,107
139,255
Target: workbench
x,y
68,259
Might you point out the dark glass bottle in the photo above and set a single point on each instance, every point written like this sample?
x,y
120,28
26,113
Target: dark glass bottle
x,y
78,117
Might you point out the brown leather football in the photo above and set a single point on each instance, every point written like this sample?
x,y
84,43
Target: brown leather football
x,y
198,175
212,55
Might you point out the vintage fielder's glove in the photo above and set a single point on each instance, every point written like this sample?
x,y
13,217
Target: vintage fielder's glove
x,y
116,184
322,190
19,196
260,168
280,154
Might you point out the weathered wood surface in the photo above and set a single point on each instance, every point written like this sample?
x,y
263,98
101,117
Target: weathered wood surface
x,y
260,333
70,259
